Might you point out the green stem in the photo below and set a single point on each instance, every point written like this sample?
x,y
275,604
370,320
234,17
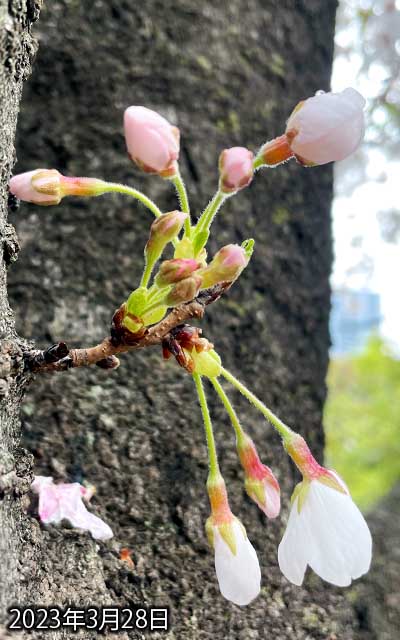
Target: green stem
x,y
183,199
148,268
212,452
240,435
209,213
258,162
285,431
113,187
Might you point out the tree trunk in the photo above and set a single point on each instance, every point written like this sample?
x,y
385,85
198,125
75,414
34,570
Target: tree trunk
x,y
227,74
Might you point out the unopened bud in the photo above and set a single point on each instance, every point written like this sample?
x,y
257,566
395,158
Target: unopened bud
x,y
321,129
260,483
172,271
152,142
226,266
236,169
41,186
326,127
163,230
184,291
48,186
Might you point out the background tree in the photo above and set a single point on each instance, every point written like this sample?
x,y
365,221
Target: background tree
x,y
225,75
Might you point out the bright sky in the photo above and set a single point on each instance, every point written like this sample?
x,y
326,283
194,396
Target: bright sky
x,y
355,216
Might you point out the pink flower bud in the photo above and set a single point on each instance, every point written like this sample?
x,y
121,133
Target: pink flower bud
x,y
152,142
41,186
326,127
48,186
184,291
236,169
260,483
172,271
226,266
163,230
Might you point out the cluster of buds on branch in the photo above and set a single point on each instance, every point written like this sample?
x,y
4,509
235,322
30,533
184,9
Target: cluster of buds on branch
x,y
325,530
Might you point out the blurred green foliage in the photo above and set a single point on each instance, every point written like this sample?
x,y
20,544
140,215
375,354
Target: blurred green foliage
x,y
362,421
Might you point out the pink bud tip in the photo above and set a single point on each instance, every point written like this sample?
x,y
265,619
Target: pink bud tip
x,y
326,127
172,271
41,186
152,142
236,169
260,483
226,266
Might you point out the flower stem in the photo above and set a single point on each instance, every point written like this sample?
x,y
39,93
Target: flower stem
x,y
183,199
240,435
212,452
286,432
148,268
113,187
209,213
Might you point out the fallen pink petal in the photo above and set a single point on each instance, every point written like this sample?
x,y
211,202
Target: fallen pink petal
x,y
58,502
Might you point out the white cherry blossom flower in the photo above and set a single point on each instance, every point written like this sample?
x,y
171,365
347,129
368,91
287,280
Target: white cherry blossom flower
x,y
325,531
238,573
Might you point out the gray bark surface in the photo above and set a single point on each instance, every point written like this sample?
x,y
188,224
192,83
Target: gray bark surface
x,y
227,74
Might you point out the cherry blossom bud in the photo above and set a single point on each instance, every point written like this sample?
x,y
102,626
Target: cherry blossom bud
x,y
152,142
236,563
236,169
184,291
48,186
325,530
206,363
260,483
226,266
326,127
41,186
321,129
172,271
163,230
59,502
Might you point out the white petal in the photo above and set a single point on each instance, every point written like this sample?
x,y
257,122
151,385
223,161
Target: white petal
x,y
239,575
293,549
342,541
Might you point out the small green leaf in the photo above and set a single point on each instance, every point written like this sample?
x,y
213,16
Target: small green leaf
x,y
248,246
136,302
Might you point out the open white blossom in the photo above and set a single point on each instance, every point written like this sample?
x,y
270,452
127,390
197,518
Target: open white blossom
x,y
326,127
327,533
238,574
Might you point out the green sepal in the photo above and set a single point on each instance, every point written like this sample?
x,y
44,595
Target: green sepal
x,y
300,491
137,301
228,536
332,483
255,490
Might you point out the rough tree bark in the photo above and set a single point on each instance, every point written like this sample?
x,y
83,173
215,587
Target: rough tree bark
x,y
226,74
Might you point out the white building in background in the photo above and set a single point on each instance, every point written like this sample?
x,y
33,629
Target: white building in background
x,y
355,315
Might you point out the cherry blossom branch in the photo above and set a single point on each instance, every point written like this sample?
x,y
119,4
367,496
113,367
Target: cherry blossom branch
x,y
59,358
